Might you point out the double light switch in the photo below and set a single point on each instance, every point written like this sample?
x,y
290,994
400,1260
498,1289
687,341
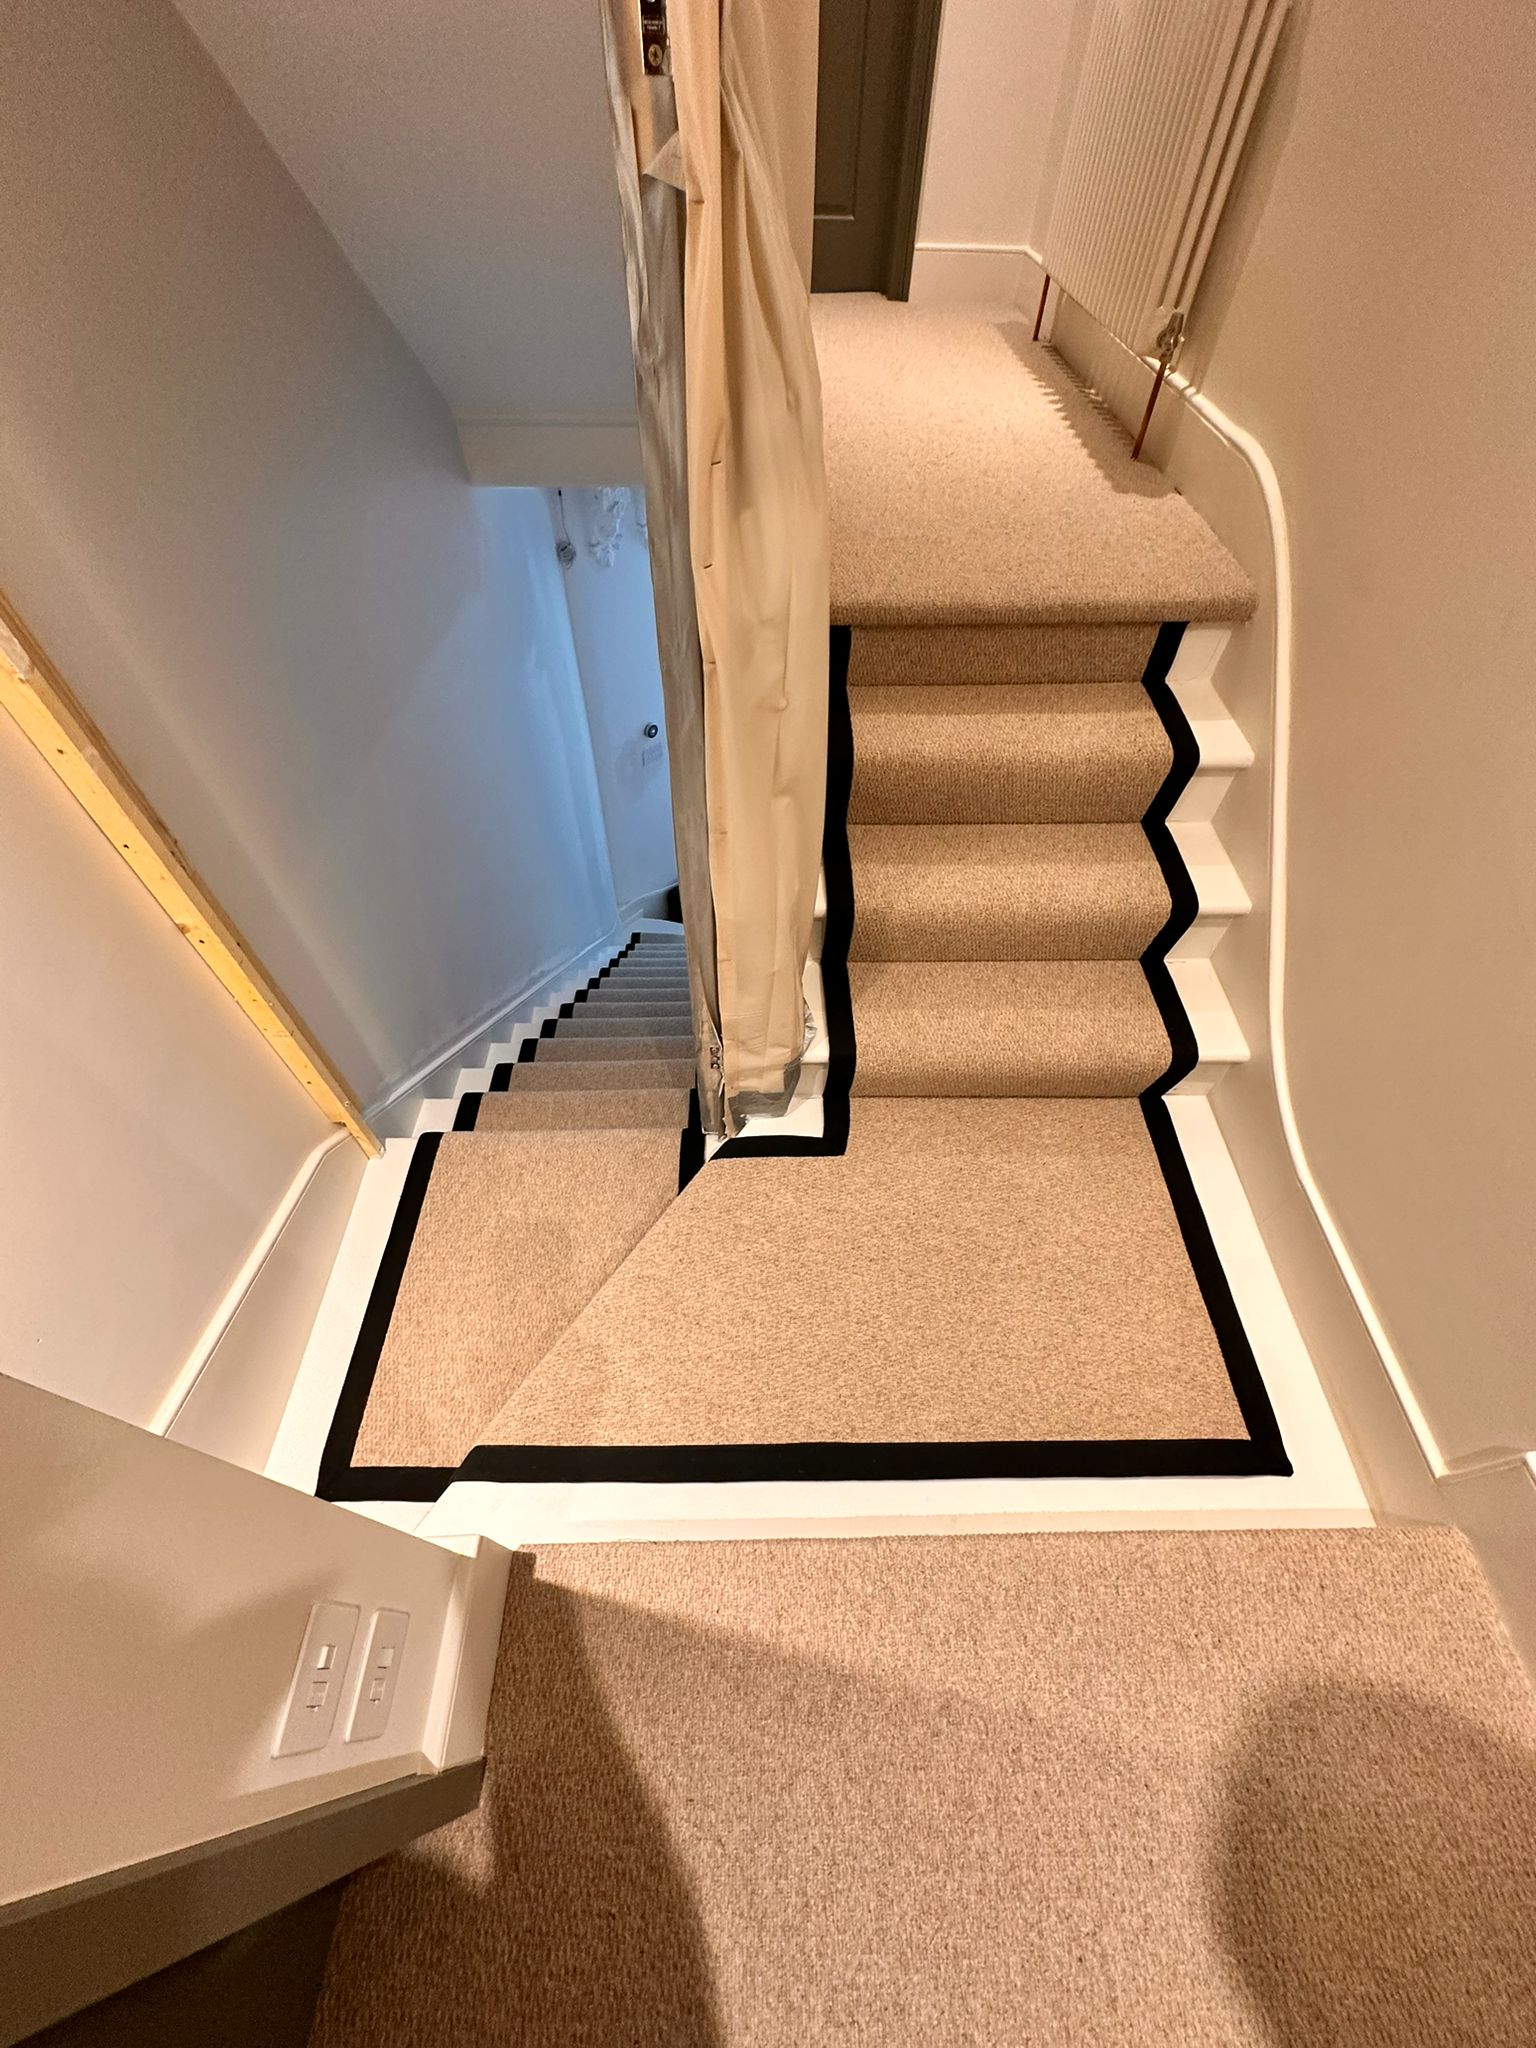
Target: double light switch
x,y
315,1696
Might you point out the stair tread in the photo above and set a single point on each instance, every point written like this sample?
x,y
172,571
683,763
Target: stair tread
x,y
584,1109
645,1024
496,1272
1004,892
625,1073
1057,1028
982,1271
573,1051
1028,754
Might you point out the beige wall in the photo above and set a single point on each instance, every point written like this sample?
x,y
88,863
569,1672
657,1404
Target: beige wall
x,y
152,1606
993,121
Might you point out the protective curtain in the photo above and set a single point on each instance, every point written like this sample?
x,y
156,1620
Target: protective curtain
x,y
756,519
651,218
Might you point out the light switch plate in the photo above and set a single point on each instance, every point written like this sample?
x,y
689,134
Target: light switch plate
x,y
310,1714
378,1674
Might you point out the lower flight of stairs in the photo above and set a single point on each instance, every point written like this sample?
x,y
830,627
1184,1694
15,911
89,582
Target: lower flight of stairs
x,y
511,1221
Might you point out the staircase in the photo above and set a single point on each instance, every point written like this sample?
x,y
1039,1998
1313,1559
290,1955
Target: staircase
x,y
508,1223
1147,1778
992,1263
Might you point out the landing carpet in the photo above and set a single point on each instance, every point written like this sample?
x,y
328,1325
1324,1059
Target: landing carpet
x,y
1269,1790
972,1288
972,479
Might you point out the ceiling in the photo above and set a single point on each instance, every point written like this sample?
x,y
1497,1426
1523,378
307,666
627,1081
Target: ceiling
x,y
460,153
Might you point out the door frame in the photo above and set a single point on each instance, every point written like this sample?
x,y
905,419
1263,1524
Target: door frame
x,y
914,147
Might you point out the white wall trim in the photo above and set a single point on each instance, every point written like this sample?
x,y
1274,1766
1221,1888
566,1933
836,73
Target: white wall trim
x,y
176,1395
1253,453
394,1114
466,1653
549,451
1495,1505
229,1398
961,273
1489,1493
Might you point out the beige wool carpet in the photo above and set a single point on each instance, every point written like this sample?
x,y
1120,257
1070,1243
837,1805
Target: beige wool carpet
x,y
972,479
1260,1790
967,1272
544,1186
519,1230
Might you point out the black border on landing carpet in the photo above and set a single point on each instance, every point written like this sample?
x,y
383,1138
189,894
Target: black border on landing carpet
x,y
1260,1454
836,936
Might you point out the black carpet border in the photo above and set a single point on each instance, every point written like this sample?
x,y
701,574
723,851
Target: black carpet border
x,y
1248,1388
836,937
1260,1454
724,1464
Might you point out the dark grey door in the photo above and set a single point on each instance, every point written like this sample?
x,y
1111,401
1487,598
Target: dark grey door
x,y
872,92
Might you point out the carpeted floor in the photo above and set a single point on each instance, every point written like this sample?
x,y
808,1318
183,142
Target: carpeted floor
x,y
542,1189
972,479
1267,1790
968,1272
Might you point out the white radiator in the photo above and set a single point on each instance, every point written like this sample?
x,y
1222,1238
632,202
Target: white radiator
x,y
1163,101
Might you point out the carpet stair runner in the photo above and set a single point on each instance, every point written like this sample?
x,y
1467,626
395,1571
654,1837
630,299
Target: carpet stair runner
x,y
1004,1272
510,1222
1117,1789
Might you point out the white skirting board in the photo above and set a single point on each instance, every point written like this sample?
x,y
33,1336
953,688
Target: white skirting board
x,y
466,1654
1231,482
586,453
233,1402
1495,1504
974,273
396,1116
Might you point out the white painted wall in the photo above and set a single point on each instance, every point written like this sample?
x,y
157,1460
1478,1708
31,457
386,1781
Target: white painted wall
x,y
461,155
1385,164
993,138
613,622
147,1129
152,1606
233,508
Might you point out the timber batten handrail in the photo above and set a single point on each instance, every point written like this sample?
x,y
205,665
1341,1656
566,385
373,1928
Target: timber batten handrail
x,y
47,711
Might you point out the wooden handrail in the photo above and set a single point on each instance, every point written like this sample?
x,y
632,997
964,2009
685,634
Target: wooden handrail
x,y
47,711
